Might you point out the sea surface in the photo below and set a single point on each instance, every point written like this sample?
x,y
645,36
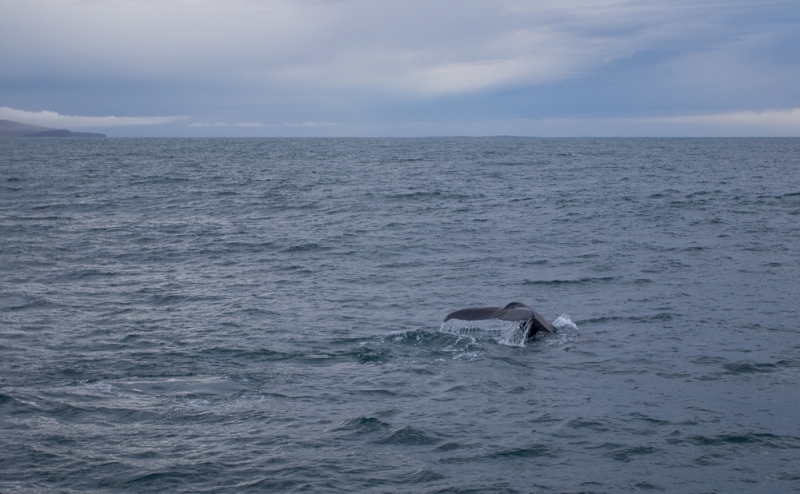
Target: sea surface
x,y
265,315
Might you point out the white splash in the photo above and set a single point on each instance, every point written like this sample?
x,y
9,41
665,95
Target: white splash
x,y
564,322
567,331
506,333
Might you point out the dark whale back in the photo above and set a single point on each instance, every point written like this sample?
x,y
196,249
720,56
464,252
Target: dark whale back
x,y
474,314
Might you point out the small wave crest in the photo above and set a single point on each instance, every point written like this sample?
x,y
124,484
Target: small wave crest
x,y
462,346
416,344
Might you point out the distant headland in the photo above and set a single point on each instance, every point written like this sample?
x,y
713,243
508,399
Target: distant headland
x,y
17,129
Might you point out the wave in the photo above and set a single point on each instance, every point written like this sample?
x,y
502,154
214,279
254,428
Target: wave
x,y
605,279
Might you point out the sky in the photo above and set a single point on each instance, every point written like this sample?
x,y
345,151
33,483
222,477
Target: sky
x,y
403,68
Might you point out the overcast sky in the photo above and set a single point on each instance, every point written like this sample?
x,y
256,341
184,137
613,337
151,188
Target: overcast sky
x,y
403,68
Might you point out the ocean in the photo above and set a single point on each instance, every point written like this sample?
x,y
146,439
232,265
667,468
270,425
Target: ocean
x,y
266,315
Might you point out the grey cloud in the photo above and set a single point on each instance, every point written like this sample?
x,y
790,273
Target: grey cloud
x,y
54,119
415,47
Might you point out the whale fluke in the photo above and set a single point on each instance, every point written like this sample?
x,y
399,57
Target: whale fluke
x,y
529,320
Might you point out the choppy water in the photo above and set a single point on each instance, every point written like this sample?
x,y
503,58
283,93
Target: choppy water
x,y
265,315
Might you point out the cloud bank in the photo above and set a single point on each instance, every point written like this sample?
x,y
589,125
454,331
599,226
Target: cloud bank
x,y
788,120
773,123
733,124
53,119
744,123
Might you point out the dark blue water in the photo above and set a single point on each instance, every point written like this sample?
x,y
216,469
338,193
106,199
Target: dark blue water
x,y
266,315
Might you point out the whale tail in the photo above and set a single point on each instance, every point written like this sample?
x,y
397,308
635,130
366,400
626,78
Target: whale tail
x,y
530,321
536,324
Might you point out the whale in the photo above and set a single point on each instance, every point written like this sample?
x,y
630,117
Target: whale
x,y
530,321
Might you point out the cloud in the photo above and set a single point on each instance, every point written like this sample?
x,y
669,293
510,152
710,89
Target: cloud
x,y
731,124
307,124
418,47
494,45
257,124
786,122
53,119
728,124
209,124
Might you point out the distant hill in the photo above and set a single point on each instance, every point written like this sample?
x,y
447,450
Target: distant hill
x,y
16,129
